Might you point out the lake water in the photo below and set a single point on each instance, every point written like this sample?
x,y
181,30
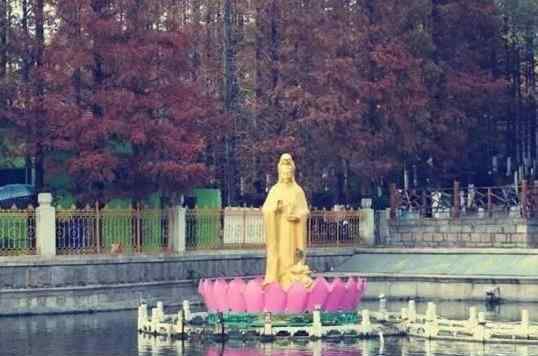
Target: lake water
x,y
115,334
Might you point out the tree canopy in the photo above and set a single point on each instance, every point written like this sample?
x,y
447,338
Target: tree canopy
x,y
135,96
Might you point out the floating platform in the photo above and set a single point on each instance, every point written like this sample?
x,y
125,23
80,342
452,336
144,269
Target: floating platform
x,y
267,327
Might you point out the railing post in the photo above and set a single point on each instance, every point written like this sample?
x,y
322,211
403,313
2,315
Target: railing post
x,y
394,201
456,200
336,218
524,193
532,197
423,207
490,203
367,222
244,229
178,229
97,227
45,226
138,233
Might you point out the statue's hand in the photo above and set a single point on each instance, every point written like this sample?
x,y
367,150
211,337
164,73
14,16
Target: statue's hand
x,y
279,206
293,218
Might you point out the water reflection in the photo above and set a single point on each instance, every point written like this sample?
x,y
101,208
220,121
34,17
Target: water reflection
x,y
410,347
153,346
115,334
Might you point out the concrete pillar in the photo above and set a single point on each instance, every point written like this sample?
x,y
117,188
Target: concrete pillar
x,y
412,312
383,235
45,226
525,323
178,229
155,320
367,223
317,330
366,326
186,310
142,316
268,325
473,319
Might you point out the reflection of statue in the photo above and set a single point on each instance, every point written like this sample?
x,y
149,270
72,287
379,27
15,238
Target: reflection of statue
x,y
285,213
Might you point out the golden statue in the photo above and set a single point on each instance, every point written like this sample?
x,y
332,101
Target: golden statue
x,y
285,214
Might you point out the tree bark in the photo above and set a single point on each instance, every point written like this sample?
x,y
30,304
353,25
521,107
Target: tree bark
x,y
39,10
3,39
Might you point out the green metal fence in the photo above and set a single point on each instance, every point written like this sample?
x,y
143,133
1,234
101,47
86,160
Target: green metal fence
x,y
17,231
110,230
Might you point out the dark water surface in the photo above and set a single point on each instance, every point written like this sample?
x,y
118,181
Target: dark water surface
x,y
115,334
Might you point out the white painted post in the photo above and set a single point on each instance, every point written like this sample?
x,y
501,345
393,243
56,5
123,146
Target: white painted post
x,y
412,314
316,323
473,319
45,226
187,310
525,323
482,318
160,307
178,231
480,331
432,325
384,229
155,320
366,326
142,316
268,325
431,312
366,222
403,314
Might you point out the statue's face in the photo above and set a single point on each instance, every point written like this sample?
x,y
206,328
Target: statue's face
x,y
286,168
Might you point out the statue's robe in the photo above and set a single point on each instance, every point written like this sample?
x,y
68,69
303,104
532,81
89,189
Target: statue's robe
x,y
284,237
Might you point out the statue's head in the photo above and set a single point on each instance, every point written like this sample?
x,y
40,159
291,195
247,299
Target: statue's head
x,y
286,169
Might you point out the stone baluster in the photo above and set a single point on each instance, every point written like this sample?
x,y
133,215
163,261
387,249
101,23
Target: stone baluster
x,y
412,312
480,331
525,323
431,326
142,316
45,226
316,323
268,325
155,320
187,310
366,325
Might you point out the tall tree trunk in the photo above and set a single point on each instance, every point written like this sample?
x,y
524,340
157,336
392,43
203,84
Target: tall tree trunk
x,y
196,39
516,90
275,43
98,7
3,40
26,68
260,43
532,95
510,120
230,98
39,11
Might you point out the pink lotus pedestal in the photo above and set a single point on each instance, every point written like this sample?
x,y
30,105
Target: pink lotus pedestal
x,y
240,296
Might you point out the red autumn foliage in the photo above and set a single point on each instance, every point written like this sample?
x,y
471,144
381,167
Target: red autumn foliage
x,y
122,104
